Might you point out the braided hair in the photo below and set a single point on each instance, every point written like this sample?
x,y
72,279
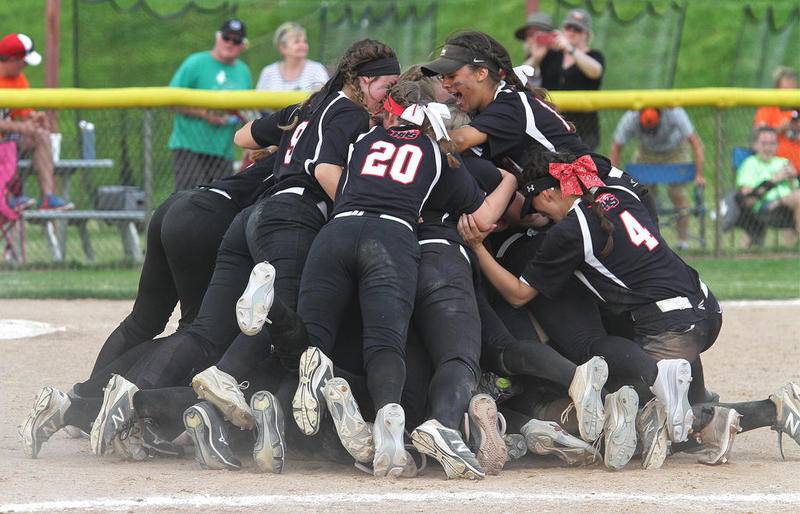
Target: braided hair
x,y
346,76
538,168
409,92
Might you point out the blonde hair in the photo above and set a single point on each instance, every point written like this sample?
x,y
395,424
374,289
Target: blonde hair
x,y
782,72
283,31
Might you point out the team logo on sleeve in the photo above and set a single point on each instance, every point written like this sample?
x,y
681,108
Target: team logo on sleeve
x,y
607,201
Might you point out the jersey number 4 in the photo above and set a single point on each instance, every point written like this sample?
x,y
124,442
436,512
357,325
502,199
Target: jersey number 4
x,y
637,233
404,164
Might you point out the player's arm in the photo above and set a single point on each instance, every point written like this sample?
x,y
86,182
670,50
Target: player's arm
x,y
699,158
328,176
515,291
466,137
495,204
244,137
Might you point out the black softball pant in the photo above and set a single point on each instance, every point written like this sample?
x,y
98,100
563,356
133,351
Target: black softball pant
x,y
182,241
379,259
447,321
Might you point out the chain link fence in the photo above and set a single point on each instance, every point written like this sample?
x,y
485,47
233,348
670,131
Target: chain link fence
x,y
119,168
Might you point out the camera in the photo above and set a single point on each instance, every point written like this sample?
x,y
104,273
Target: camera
x,y
545,38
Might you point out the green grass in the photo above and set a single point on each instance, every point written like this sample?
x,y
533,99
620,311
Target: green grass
x,y
729,278
757,278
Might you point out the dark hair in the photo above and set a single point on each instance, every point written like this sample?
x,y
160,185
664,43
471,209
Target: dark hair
x,y
486,45
538,167
409,92
346,74
762,129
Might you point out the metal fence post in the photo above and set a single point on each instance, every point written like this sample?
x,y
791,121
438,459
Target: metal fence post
x,y
717,179
147,163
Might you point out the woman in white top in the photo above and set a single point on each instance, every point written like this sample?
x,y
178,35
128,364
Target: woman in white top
x,y
294,71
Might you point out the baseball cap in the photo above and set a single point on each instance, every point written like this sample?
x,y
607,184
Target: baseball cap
x,y
19,46
578,18
536,20
234,26
649,118
453,57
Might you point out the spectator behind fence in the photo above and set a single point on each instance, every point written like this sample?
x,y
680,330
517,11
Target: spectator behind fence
x,y
768,182
570,65
786,122
31,129
202,139
665,137
537,35
294,71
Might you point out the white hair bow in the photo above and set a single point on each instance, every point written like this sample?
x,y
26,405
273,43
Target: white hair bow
x,y
436,114
524,73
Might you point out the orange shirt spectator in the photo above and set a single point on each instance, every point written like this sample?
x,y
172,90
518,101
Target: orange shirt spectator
x,y
785,122
16,82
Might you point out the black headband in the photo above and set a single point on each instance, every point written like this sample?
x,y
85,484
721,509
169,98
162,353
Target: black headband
x,y
379,67
536,186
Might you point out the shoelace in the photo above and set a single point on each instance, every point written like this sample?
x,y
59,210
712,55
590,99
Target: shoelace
x,y
565,414
126,429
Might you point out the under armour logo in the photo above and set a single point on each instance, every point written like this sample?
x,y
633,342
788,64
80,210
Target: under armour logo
x,y
530,188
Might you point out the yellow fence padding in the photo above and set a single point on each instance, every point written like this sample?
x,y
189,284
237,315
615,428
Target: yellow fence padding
x,y
71,98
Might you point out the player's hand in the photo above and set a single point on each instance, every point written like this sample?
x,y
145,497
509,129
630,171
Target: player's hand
x,y
470,232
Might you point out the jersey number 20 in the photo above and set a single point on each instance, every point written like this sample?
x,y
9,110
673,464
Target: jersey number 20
x,y
404,161
637,233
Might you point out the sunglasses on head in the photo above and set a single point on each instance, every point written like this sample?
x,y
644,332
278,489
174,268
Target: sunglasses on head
x,y
230,38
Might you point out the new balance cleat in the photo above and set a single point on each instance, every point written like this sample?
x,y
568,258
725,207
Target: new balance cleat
x,y
128,443
787,408
717,437
446,446
116,414
307,405
672,389
210,437
253,306
620,427
548,438
353,431
487,441
46,418
585,389
269,450
651,429
391,457
225,394
516,446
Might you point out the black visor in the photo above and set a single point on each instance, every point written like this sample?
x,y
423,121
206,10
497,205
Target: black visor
x,y
453,57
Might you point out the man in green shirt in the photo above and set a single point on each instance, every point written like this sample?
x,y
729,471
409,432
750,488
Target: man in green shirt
x,y
202,140
763,167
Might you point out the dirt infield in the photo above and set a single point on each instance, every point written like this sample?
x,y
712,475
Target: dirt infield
x,y
758,351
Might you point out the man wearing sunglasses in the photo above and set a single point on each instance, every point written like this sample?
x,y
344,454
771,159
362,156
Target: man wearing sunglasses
x,y
202,139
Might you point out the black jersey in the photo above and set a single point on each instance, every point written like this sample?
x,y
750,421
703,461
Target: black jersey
x,y
456,194
245,187
391,171
323,133
517,123
640,270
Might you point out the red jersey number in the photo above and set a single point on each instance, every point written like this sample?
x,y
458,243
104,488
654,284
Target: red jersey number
x,y
404,165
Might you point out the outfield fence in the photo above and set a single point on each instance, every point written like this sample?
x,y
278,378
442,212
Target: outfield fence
x,y
117,143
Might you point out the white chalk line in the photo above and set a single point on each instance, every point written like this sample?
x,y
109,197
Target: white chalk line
x,y
685,501
760,303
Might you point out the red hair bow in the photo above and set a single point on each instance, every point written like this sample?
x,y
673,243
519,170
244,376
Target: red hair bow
x,y
572,174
